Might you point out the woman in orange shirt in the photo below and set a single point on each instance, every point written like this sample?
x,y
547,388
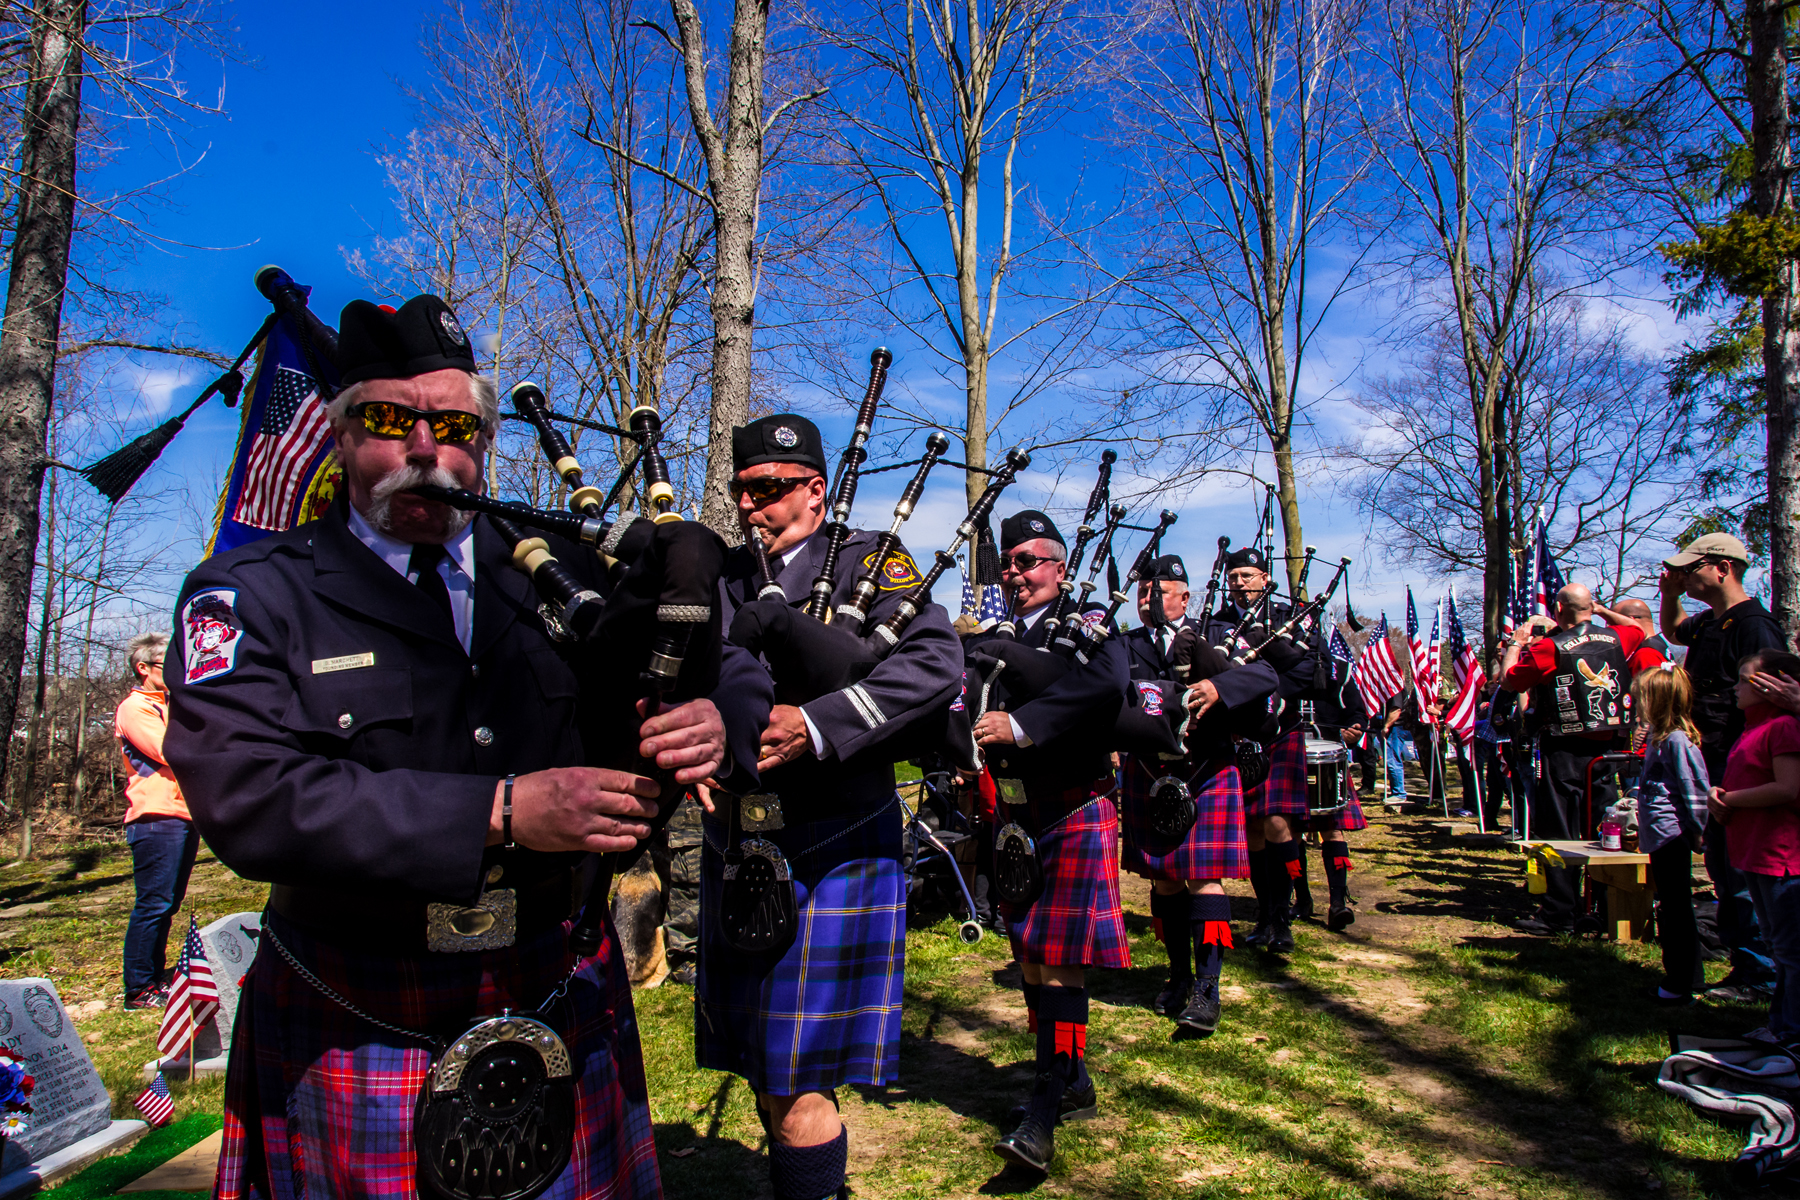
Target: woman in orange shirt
x,y
158,829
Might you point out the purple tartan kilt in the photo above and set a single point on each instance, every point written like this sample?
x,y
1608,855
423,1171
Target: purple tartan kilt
x,y
320,1103
1349,820
1213,849
1283,793
826,1013
1079,920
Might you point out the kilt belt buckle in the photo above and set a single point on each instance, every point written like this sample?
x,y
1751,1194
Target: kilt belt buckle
x,y
759,812
1012,791
491,924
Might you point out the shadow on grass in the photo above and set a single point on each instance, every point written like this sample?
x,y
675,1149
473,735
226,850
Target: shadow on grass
x,y
696,1161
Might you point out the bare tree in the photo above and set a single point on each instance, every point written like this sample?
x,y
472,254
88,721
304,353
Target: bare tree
x,y
1239,114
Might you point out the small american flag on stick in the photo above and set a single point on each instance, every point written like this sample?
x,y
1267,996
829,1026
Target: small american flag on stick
x,y
193,997
155,1103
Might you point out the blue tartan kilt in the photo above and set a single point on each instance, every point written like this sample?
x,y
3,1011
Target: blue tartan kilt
x,y
825,1012
1213,849
319,1103
1079,920
1283,793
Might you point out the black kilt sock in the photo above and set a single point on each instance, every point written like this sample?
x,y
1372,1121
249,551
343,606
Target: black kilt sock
x,y
1337,870
1284,868
809,1172
1209,920
1061,1047
1170,914
1031,991
1260,861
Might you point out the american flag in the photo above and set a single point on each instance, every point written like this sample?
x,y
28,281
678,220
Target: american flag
x,y
1424,662
1376,672
155,1102
294,430
1337,647
193,997
968,596
993,604
1549,577
1471,680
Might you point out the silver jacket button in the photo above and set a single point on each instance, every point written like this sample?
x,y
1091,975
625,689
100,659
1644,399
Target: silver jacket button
x,y
345,720
475,670
484,736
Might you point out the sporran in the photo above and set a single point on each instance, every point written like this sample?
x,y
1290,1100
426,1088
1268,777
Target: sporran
x,y
759,912
1252,763
1018,875
1171,809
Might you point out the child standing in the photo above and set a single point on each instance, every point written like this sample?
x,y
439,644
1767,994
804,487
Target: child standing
x,y
1759,802
1671,818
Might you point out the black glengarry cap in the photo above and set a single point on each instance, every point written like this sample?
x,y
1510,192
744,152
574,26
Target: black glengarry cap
x,y
1027,526
1247,556
1168,567
784,437
376,341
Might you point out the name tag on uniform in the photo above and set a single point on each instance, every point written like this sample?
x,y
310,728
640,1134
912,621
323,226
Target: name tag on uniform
x,y
344,662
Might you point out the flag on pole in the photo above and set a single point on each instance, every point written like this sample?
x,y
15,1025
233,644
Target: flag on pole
x,y
1549,577
1424,671
285,470
968,596
1337,647
1434,652
1471,680
193,997
1377,672
155,1102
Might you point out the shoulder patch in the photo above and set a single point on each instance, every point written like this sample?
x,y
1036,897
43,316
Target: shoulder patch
x,y
211,634
899,571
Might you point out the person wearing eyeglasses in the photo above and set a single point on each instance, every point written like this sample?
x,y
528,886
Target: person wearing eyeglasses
x,y
823,1011
158,827
1731,627
1056,749
368,711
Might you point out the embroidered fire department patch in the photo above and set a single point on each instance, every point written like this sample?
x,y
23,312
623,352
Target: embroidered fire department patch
x,y
899,571
211,633
1150,699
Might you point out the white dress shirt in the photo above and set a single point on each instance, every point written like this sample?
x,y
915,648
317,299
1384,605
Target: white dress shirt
x,y
457,567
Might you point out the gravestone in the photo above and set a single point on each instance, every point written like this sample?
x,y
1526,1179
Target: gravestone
x,y
230,944
71,1121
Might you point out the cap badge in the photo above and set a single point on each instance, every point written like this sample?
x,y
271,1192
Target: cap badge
x,y
1176,572
1035,525
452,327
786,438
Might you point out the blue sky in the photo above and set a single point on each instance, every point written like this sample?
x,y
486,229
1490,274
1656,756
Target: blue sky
x,y
290,177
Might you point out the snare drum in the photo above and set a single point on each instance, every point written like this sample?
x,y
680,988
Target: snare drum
x,y
1327,782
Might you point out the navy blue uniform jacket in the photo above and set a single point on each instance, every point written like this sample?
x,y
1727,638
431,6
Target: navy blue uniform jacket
x,y
1243,690
1292,666
864,724
375,773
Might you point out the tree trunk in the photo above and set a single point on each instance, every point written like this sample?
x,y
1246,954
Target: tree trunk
x,y
734,161
1766,80
1287,498
87,654
33,321
35,730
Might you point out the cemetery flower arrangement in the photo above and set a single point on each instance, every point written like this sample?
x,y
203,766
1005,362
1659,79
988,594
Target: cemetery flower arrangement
x,y
15,1094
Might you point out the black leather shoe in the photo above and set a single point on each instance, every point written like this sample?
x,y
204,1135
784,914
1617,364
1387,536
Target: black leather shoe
x,y
1340,917
1542,928
1168,1002
1032,1144
1281,939
1202,1011
1079,1103
1259,935
1303,902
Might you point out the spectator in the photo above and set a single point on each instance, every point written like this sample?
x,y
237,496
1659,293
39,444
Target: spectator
x,y
1428,734
1489,744
1734,626
157,826
1635,612
1578,721
1397,741
1758,804
1672,798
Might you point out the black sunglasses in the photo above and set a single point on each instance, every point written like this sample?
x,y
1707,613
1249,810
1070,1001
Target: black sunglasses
x,y
762,491
1023,562
384,418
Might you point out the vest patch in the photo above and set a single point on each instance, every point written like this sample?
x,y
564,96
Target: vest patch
x,y
211,634
899,571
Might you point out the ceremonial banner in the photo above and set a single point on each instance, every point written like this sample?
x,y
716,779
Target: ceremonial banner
x,y
284,472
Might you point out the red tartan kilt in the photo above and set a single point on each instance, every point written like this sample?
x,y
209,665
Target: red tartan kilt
x,y
1079,920
320,1103
1349,820
1213,849
1283,793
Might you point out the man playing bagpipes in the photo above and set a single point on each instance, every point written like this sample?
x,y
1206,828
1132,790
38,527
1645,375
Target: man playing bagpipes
x,y
1058,851
803,905
1191,913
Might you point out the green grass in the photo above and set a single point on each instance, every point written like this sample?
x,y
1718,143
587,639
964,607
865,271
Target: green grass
x,y
105,1177
1433,1053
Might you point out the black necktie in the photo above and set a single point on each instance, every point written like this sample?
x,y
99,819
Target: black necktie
x,y
425,558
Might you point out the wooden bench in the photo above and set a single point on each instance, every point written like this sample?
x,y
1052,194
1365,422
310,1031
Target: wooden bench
x,y
1625,874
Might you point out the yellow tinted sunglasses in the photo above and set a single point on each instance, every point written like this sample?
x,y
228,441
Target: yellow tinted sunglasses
x,y
384,418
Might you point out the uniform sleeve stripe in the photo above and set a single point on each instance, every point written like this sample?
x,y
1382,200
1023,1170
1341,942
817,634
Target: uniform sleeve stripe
x,y
865,706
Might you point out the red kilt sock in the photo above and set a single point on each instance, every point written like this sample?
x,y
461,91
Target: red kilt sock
x,y
1032,991
1210,921
1260,862
1170,913
1061,1047
1337,870
809,1172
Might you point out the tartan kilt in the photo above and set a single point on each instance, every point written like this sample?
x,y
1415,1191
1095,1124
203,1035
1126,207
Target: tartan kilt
x,y
1079,920
319,1103
1283,793
824,1012
1349,820
1213,849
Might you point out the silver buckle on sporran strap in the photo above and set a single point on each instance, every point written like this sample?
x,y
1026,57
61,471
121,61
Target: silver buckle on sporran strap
x,y
1171,809
760,812
1018,874
759,912
496,1115
492,924
1011,791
